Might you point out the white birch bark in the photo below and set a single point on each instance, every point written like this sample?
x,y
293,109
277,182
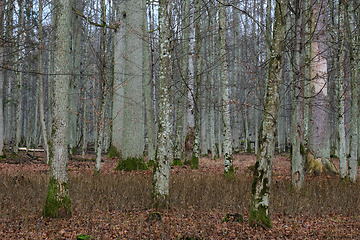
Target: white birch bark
x,y
225,76
259,210
58,199
161,174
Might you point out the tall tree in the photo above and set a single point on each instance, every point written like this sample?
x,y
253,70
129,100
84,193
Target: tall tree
x,y
41,85
101,121
259,209
225,86
58,201
161,174
297,160
319,144
19,76
133,126
2,10
352,34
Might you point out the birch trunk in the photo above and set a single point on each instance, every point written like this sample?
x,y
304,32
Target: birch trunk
x,y
225,76
161,174
259,210
58,202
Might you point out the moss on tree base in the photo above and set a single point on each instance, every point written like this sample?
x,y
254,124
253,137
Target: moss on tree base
x,y
58,203
194,162
259,217
130,164
317,167
113,152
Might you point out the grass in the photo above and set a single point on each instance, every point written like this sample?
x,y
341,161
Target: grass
x,y
111,203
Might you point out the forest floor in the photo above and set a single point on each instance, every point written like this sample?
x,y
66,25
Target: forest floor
x,y
117,205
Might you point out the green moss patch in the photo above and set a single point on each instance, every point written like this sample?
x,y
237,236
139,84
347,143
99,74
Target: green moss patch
x,y
58,203
113,152
130,164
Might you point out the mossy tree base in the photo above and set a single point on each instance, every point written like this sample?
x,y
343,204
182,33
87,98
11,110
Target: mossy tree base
x,y
58,203
194,162
130,164
177,162
113,152
318,167
259,217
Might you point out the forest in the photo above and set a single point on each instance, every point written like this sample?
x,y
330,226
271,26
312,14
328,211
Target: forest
x,y
179,119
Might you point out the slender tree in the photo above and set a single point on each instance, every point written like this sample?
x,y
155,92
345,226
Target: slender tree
x,y
41,85
161,174
58,201
225,80
2,10
352,34
259,209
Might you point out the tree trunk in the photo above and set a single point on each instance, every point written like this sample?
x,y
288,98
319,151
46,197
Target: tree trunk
x,y
41,87
161,174
150,120
19,77
225,76
2,10
353,38
259,210
319,144
119,81
190,106
297,126
133,144
58,202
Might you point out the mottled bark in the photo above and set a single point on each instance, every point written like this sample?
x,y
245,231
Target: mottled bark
x,y
259,210
161,174
225,86
297,126
58,198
